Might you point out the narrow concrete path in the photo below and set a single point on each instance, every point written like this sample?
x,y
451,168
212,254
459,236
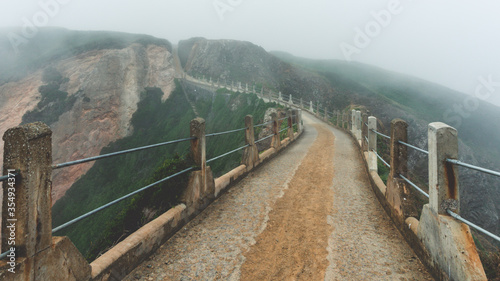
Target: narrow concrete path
x,y
308,214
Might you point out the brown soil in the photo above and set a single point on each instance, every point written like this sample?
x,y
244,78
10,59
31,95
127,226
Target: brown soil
x,y
293,245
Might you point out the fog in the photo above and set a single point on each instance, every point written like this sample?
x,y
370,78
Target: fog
x,y
450,42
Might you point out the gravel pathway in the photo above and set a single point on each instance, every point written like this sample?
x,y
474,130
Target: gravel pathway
x,y
361,242
211,246
364,244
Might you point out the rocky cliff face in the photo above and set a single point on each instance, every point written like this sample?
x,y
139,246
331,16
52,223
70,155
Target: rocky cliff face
x,y
107,85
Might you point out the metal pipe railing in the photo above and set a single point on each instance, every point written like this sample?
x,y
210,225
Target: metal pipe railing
x,y
227,153
4,178
225,133
265,138
380,134
415,186
116,201
487,171
458,217
414,147
381,159
263,124
90,159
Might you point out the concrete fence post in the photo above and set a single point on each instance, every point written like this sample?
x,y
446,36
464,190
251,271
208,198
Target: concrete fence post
x,y
28,224
358,125
276,141
352,125
398,194
298,120
443,176
364,132
290,124
290,100
251,153
201,186
311,107
448,242
372,144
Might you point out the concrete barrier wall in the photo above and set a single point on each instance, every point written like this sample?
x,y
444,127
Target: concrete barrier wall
x,y
442,243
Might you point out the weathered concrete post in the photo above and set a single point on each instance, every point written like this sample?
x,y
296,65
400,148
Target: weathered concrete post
x,y
372,144
352,125
201,186
290,114
358,125
275,141
297,119
37,255
290,101
448,242
251,153
397,193
364,132
311,107
280,98
443,144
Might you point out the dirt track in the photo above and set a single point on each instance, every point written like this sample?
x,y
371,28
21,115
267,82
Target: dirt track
x,y
293,245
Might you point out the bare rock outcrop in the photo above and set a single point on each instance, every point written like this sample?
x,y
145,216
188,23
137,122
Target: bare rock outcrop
x,y
107,84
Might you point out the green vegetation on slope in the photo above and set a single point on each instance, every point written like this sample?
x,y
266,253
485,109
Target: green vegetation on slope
x,y
224,111
112,178
54,102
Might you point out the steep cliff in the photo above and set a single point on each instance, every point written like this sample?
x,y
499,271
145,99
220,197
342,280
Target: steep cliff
x,y
105,83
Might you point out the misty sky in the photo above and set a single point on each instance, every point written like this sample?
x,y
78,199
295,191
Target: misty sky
x,y
450,42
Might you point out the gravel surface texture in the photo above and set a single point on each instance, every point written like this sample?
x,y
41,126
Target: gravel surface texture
x,y
349,238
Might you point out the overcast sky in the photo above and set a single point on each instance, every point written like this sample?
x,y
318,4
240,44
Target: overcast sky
x,y
450,42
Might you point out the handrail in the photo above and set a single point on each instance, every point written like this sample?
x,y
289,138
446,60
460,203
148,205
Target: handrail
x,y
4,178
264,124
381,159
265,138
460,163
227,153
4,254
224,133
117,200
77,162
414,147
380,134
414,185
458,217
